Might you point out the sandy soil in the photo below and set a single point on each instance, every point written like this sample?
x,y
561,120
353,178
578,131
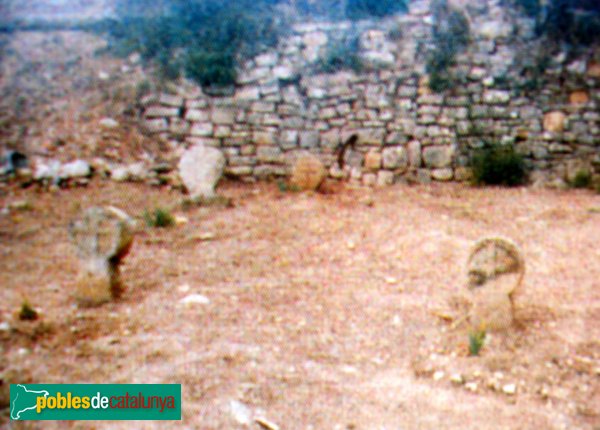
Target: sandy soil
x,y
326,311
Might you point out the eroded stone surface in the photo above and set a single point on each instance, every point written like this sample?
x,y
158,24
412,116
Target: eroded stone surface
x,y
102,238
201,168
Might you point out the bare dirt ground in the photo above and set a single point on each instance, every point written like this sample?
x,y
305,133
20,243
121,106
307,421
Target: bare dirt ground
x,y
326,311
56,87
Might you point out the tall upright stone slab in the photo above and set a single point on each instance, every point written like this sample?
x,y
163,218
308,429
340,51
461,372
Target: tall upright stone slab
x,y
201,168
102,238
495,271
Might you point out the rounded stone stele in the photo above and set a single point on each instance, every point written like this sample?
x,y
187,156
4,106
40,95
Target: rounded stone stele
x,y
495,271
308,172
200,169
102,238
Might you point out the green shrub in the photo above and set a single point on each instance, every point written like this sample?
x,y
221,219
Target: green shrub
x,y
531,8
203,38
476,342
160,218
210,68
497,164
360,9
582,179
27,312
351,9
450,37
576,22
341,55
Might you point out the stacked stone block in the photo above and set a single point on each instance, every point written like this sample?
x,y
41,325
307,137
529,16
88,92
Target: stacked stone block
x,y
281,106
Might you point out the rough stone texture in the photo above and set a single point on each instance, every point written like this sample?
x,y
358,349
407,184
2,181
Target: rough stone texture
x,y
223,116
438,156
369,179
414,153
75,169
200,169
442,174
395,158
496,97
554,122
385,178
196,115
495,271
280,102
102,238
202,129
269,154
373,160
159,111
308,172
579,97
309,139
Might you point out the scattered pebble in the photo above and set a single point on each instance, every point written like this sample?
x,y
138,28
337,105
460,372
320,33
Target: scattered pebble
x,y
195,299
391,280
456,378
350,370
103,76
109,123
181,220
184,288
240,413
266,424
472,386
22,351
350,244
19,205
119,174
509,389
439,375
368,201
5,326
203,236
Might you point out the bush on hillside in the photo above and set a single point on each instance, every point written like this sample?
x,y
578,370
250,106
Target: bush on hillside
x,y
202,38
341,55
450,36
497,164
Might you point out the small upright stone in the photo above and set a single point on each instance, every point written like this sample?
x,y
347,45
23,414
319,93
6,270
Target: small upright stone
x,y
201,168
102,237
308,172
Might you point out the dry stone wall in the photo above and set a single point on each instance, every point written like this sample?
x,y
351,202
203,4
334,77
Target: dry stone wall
x,y
282,106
